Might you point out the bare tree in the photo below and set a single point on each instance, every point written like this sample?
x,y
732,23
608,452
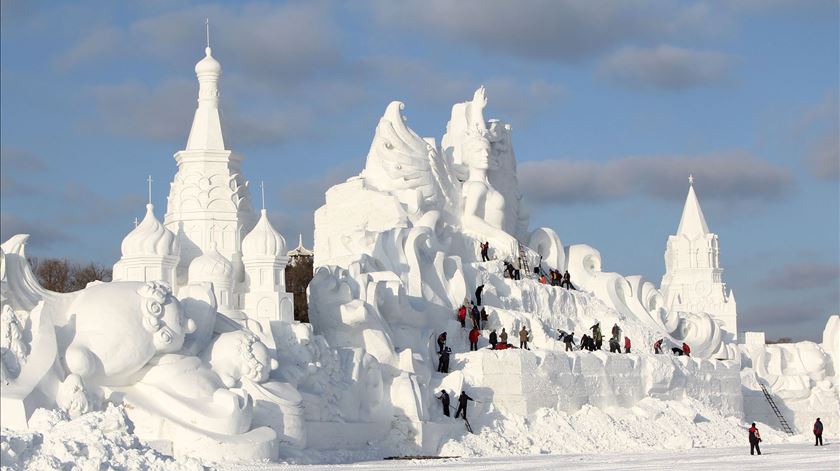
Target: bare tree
x,y
61,276
82,275
779,340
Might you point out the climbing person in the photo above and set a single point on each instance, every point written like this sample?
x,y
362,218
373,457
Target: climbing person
x,y
584,342
483,317
677,351
485,249
567,281
441,342
494,339
614,347
478,294
503,337
443,363
523,338
755,439
475,315
616,331
542,279
444,398
569,340
474,335
657,346
687,350
462,316
462,405
626,345
818,428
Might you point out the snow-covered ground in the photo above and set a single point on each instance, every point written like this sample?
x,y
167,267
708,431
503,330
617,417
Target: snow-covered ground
x,y
789,456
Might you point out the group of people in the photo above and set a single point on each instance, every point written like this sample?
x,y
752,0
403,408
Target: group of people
x,y
478,317
755,437
556,279
443,397
596,340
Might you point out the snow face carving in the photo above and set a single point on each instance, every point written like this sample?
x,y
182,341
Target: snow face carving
x,y
120,326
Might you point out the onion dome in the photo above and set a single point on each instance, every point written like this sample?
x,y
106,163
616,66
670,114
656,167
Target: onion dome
x,y
150,238
208,65
263,241
210,266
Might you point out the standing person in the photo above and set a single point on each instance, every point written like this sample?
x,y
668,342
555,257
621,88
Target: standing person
x,y
614,347
462,316
818,428
478,294
755,439
616,331
626,345
483,319
475,315
494,339
485,249
523,338
503,337
474,335
542,279
597,336
441,342
687,352
462,405
443,363
657,347
444,398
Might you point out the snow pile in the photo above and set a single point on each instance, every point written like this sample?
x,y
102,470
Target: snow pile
x,y
96,440
649,425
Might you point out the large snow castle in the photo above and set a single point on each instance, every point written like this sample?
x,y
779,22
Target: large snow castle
x,y
195,334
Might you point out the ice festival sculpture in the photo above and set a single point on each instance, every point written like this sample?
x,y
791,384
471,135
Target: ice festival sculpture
x,y
195,334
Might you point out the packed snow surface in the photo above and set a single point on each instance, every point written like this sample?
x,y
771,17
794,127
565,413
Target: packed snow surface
x,y
93,441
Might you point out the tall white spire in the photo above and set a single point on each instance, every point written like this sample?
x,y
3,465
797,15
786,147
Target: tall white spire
x,y
692,222
206,131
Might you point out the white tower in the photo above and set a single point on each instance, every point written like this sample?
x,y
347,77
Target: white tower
x,y
263,253
208,202
693,276
149,252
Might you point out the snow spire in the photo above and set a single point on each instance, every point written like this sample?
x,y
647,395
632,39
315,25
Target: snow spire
x,y
149,181
206,131
692,223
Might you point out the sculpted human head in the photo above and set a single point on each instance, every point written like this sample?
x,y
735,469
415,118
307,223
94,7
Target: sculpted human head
x,y
476,151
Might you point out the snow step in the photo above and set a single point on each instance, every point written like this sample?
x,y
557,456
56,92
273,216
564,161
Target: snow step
x,y
784,423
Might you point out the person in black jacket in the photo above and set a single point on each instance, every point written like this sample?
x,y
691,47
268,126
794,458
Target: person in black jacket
x,y
444,398
478,294
818,428
443,363
462,405
755,439
494,339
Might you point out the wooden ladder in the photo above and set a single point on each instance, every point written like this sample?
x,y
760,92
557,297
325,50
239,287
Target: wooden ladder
x,y
524,270
784,423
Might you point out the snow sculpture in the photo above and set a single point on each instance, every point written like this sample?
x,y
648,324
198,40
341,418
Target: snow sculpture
x,y
693,275
149,252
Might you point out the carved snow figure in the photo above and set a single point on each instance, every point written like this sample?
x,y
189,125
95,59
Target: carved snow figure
x,y
71,397
13,350
120,326
239,355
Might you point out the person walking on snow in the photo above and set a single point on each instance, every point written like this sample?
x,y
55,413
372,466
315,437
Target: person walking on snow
x,y
474,316
687,351
462,405
569,340
484,318
755,439
478,294
818,428
443,363
523,338
597,336
616,331
626,345
444,398
567,281
494,339
441,342
462,316
474,335
503,337
657,347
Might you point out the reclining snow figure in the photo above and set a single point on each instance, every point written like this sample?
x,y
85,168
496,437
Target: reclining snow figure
x,y
130,342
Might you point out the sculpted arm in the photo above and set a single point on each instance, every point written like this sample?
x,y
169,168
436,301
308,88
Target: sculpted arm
x,y
474,196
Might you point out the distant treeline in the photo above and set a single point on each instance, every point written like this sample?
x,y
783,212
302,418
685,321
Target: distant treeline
x,y
63,276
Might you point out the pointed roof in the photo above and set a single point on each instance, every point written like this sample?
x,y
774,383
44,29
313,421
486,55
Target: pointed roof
x,y
300,250
263,241
149,238
206,131
692,222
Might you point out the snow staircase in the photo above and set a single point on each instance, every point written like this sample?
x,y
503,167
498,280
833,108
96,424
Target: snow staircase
x,y
785,426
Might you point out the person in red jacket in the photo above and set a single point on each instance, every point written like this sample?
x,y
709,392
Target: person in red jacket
x,y
687,352
755,439
462,315
626,345
474,335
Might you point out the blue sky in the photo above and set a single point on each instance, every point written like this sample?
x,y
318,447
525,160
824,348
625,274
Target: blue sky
x,y
612,105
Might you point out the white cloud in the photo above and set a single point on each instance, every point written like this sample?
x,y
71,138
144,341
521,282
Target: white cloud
x,y
665,67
